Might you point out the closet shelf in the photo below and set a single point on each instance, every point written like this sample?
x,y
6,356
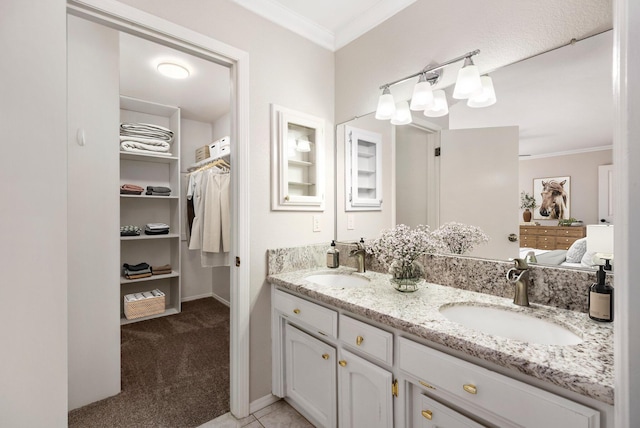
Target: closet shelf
x,y
366,154
124,280
143,237
299,162
363,171
149,197
300,183
147,158
169,311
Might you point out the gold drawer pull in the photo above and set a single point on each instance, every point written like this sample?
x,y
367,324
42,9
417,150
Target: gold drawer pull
x,y
325,356
343,363
296,311
471,389
359,340
427,414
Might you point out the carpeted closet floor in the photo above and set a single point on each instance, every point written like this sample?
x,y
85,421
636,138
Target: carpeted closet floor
x,y
175,372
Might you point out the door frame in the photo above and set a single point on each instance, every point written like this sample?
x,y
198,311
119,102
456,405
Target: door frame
x,y
130,20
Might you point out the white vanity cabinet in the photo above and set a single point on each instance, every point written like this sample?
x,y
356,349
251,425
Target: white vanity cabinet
x,y
310,373
428,413
365,393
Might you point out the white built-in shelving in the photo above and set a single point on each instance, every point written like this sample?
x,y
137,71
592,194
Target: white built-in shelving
x,y
151,170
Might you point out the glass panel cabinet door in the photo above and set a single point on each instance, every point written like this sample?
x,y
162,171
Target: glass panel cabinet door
x,y
364,170
297,167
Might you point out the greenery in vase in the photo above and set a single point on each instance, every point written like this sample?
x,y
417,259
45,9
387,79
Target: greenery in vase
x,y
459,238
398,248
527,201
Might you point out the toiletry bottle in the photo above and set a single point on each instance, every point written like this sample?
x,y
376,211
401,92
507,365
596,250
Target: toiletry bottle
x,y
333,256
601,299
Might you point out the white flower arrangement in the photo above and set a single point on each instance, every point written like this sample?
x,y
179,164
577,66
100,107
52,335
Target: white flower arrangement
x,y
401,246
458,238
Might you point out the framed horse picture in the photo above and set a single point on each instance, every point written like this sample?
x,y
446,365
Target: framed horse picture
x,y
553,198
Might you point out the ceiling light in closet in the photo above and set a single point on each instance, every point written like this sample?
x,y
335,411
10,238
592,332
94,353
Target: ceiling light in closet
x,y
173,70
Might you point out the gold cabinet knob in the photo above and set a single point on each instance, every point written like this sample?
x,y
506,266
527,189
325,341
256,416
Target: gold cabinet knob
x,y
296,311
471,389
428,414
342,363
359,340
286,198
325,356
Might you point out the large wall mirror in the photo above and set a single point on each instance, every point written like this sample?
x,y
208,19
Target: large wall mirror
x,y
553,119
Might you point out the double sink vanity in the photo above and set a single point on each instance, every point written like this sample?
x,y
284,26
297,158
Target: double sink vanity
x,y
351,351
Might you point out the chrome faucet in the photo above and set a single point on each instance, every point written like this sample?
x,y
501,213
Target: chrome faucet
x,y
519,275
359,253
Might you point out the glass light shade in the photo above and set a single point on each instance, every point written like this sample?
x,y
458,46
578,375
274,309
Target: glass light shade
x,y
440,106
386,106
172,70
303,145
486,96
468,81
402,116
422,95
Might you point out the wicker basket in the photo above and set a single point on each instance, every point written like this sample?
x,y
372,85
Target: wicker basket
x,y
143,307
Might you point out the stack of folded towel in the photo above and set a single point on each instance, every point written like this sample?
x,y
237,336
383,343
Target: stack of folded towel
x,y
145,138
141,270
129,230
158,191
131,189
161,270
156,229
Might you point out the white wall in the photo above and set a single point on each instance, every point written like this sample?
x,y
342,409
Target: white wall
x,y
583,170
290,71
411,176
33,214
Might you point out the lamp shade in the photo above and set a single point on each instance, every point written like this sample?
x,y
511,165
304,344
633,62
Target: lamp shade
x,y
440,107
468,81
422,94
486,96
402,116
386,105
600,240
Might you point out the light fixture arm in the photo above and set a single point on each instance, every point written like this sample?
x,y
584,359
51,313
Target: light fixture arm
x,y
432,69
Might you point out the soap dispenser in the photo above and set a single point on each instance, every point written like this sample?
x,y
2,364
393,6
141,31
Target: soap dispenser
x,y
601,299
333,256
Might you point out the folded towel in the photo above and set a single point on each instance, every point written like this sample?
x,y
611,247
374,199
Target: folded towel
x,y
156,226
161,272
138,267
131,188
129,230
144,152
161,147
163,267
138,276
156,232
158,189
157,194
145,140
128,273
146,130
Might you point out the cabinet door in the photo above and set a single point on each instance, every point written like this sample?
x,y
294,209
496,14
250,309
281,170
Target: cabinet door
x,y
310,376
365,393
363,164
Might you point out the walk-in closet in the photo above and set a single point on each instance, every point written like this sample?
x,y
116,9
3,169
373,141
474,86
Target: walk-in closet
x,y
150,155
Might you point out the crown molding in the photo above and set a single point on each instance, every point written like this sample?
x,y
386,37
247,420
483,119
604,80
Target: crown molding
x,y
566,153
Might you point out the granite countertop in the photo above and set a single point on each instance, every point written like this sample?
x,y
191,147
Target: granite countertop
x,y
585,368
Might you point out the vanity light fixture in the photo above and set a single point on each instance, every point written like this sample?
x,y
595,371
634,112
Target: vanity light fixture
x,y
173,70
402,116
484,98
479,91
386,104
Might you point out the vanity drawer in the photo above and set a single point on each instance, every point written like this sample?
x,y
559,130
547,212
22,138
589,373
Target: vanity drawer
x,y
508,398
300,311
428,413
367,339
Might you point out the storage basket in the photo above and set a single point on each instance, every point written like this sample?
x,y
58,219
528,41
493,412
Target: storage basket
x,y
202,153
143,307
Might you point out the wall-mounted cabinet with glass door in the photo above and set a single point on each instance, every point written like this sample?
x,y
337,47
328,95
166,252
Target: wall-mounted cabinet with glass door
x,y
364,170
297,160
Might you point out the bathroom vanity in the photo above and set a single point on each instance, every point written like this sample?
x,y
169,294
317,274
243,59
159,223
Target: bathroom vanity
x,y
362,354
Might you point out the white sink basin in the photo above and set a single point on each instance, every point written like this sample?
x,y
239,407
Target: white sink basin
x,y
510,324
342,280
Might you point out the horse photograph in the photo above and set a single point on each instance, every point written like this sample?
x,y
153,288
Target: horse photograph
x,y
552,198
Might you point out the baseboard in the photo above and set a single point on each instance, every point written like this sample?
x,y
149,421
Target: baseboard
x,y
221,300
263,402
199,296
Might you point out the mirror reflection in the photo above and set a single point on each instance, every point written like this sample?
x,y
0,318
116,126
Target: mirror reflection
x,y
552,123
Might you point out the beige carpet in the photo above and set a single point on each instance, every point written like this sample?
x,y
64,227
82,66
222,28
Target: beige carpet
x,y
175,372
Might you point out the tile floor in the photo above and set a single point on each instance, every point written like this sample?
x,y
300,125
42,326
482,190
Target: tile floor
x,y
278,415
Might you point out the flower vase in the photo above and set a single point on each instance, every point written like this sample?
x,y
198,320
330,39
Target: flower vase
x,y
526,215
406,277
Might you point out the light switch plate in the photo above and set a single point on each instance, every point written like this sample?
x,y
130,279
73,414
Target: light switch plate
x,y
316,223
350,222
